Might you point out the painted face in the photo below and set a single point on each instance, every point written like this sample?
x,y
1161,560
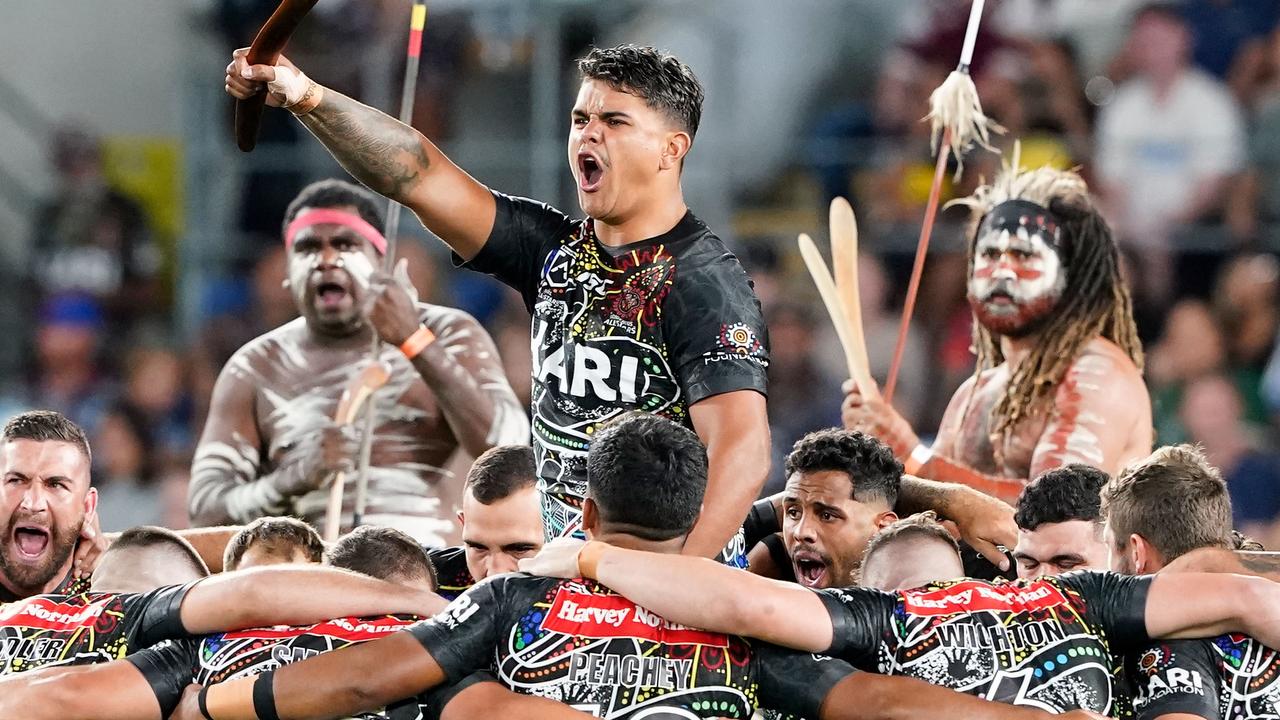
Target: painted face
x,y
616,144
44,497
329,268
825,530
1018,276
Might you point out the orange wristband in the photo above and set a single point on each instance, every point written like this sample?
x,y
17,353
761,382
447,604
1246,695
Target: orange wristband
x,y
589,558
417,342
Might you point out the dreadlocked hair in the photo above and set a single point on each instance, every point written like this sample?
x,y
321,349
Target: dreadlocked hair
x,y
1095,301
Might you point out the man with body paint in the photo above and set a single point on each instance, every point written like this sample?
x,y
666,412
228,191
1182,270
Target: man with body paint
x,y
270,444
1059,371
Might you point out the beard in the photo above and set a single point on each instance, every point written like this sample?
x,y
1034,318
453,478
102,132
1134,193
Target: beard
x,y
1017,320
34,578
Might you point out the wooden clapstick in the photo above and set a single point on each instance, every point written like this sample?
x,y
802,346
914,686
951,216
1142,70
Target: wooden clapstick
x,y
844,258
831,299
266,49
357,393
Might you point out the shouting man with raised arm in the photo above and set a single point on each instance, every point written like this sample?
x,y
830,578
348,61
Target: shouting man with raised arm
x,y
270,445
639,306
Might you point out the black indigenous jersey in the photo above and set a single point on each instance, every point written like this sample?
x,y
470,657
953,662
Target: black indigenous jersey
x,y
88,628
1226,678
1053,643
450,566
233,655
579,643
655,325
70,585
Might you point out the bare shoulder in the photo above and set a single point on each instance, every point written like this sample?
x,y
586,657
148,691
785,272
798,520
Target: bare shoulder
x,y
255,359
1103,363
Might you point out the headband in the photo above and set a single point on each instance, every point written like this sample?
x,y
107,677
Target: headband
x,y
336,217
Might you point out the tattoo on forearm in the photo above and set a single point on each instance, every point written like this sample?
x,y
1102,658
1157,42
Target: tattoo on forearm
x,y
378,150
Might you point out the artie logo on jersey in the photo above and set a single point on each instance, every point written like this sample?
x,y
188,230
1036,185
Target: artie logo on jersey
x,y
1172,680
610,616
978,596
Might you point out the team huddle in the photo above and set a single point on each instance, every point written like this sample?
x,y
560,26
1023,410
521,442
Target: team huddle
x,y
616,560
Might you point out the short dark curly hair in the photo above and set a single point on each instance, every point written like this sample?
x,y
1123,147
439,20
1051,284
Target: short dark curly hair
x,y
664,82
648,475
1071,492
873,471
332,193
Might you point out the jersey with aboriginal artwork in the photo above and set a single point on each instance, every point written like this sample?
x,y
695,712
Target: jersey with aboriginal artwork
x,y
48,630
1227,678
1053,643
579,643
450,567
222,657
656,325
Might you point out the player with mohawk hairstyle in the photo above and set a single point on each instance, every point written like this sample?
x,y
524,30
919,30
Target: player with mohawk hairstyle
x,y
1059,365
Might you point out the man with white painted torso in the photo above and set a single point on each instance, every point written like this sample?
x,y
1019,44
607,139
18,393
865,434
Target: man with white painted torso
x,y
271,445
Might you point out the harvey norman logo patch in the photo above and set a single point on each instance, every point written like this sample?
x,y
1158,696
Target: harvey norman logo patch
x,y
973,596
613,616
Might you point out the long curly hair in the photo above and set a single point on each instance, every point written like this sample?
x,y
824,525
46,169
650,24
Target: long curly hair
x,y
1095,301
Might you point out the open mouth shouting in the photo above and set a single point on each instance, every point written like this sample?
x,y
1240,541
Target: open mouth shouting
x,y
811,568
333,292
31,542
590,172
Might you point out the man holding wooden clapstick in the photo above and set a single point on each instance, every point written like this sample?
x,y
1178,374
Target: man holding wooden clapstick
x,y
1058,377
270,444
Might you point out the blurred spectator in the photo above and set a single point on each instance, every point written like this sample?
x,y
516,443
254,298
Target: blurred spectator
x,y
1256,205
1213,414
1193,346
156,394
1245,301
92,240
803,396
125,471
67,376
1168,143
1230,38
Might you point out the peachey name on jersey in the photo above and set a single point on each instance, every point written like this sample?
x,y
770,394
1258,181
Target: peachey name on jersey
x,y
630,670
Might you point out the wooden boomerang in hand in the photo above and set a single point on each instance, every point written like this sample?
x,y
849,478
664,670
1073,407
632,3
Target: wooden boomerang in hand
x,y
266,50
357,393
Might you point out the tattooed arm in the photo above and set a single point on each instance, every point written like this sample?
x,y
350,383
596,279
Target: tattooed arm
x,y
1222,560
388,156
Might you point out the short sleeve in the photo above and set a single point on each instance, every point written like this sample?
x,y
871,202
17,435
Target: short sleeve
x,y
860,619
434,702
168,668
762,521
795,683
524,232
1175,677
156,615
462,638
715,330
1116,602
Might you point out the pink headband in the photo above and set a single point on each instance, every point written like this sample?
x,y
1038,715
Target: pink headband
x,y
335,217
